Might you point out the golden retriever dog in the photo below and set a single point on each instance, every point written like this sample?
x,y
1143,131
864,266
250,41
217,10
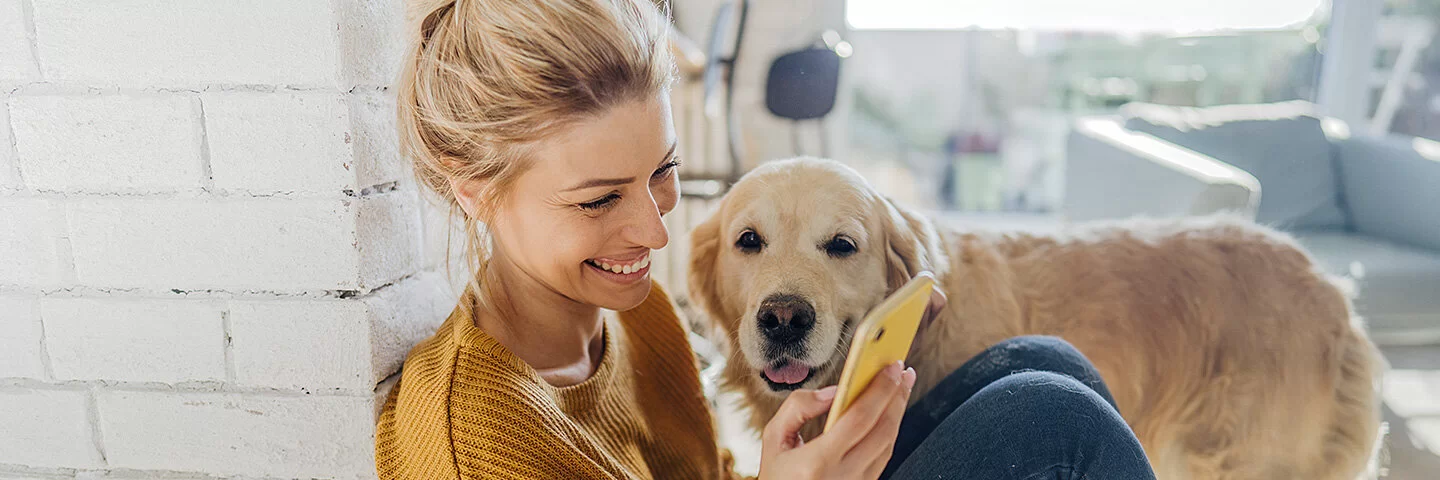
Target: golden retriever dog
x,y
1228,352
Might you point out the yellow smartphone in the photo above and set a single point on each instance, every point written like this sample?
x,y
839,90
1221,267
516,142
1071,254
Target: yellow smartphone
x,y
881,339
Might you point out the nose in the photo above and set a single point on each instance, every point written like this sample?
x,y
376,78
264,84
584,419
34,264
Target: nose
x,y
646,228
785,318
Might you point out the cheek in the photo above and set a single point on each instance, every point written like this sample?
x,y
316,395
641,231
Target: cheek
x,y
555,240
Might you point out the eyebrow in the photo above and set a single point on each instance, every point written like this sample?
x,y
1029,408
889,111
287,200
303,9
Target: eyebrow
x,y
610,182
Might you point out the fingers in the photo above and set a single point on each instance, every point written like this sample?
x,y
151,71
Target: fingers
x,y
875,450
862,415
782,433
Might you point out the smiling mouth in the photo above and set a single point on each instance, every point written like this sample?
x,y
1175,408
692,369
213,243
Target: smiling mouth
x,y
786,375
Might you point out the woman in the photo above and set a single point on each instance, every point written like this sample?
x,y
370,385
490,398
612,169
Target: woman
x,y
548,122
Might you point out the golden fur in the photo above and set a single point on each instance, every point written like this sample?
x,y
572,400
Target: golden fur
x,y
1228,352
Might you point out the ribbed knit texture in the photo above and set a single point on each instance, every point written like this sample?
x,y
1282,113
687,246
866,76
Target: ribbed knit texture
x,y
467,408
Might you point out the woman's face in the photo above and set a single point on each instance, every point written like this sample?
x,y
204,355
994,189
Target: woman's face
x,y
583,220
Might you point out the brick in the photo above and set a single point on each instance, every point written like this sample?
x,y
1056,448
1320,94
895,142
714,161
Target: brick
x,y
29,253
282,244
302,344
138,340
17,59
109,143
183,42
372,40
47,428
253,435
337,345
388,237
404,314
377,151
20,355
279,142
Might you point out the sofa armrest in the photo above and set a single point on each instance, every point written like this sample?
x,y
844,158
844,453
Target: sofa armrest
x,y
1391,185
1112,172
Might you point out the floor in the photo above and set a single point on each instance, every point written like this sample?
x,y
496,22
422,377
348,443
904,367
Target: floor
x,y
1412,408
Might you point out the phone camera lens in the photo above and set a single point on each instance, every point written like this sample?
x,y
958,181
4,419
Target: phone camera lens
x,y
879,334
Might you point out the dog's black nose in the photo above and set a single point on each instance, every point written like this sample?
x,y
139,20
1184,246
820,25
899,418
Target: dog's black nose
x,y
786,318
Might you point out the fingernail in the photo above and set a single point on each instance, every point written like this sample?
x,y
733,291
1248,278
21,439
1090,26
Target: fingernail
x,y
894,370
908,379
827,393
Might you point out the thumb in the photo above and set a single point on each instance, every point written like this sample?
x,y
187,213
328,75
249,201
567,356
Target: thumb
x,y
782,433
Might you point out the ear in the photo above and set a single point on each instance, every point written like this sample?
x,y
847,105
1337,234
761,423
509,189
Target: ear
x,y
468,194
911,244
705,245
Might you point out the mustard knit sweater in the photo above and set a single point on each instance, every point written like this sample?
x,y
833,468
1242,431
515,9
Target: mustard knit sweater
x,y
466,408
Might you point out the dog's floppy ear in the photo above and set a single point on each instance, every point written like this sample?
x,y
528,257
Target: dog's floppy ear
x,y
911,244
705,244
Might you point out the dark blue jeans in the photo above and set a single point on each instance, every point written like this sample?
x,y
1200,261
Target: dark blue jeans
x,y
1027,408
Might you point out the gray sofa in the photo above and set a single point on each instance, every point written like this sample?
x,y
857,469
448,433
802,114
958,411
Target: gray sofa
x,y
1366,208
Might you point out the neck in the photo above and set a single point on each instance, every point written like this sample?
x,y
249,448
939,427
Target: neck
x,y
557,336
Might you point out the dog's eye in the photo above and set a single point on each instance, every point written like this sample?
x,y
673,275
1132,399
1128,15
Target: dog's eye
x,y
840,247
750,242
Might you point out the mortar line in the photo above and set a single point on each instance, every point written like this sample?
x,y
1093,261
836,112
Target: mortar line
x,y
27,12
45,363
229,345
207,175
93,413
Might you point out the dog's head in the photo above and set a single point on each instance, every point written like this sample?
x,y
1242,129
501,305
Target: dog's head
x,y
796,254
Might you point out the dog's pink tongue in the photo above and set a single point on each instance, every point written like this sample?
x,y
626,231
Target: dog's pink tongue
x,y
789,374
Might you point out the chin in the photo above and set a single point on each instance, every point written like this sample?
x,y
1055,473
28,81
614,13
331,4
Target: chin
x,y
626,298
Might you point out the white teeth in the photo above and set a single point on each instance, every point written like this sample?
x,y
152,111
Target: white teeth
x,y
624,269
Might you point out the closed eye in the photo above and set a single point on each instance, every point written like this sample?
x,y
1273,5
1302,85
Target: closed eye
x,y
666,169
599,204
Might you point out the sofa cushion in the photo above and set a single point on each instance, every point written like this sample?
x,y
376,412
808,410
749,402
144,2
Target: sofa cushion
x,y
1281,144
1399,285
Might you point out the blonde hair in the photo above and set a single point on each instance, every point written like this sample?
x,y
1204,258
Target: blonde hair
x,y
485,80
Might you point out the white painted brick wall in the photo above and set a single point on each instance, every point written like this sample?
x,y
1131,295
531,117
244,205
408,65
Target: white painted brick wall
x,y
108,143
30,243
335,345
388,237
134,340
396,315
371,40
169,43
17,59
279,142
47,428
239,434
20,355
212,257
312,345
257,243
377,150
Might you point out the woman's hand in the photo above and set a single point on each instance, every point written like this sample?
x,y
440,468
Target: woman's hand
x,y
857,447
